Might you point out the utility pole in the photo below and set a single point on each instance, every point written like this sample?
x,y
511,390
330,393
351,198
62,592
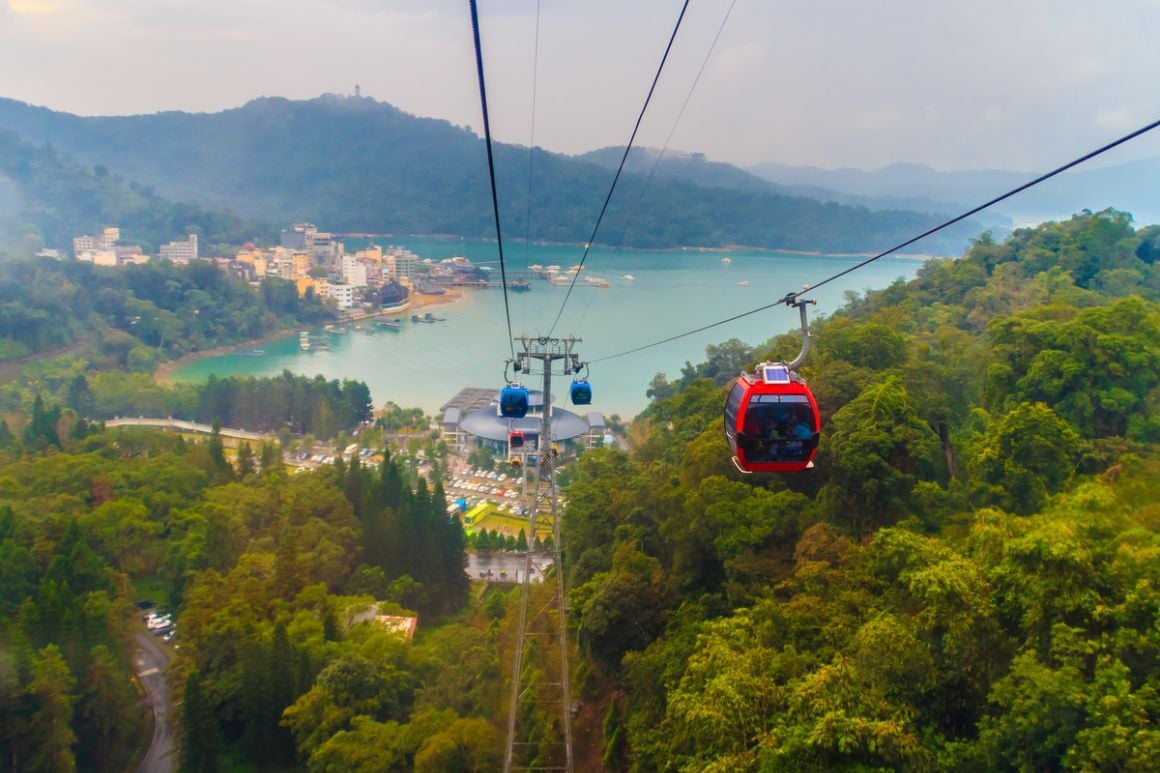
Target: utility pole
x,y
542,353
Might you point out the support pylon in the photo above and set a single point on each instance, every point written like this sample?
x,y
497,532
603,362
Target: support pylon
x,y
551,661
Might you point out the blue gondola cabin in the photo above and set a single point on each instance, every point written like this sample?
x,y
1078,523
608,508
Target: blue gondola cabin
x,y
513,401
581,392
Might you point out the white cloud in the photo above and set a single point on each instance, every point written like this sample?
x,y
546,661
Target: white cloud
x,y
954,84
1119,119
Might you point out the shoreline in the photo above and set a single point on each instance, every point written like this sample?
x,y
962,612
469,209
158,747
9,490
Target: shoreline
x,y
163,375
676,248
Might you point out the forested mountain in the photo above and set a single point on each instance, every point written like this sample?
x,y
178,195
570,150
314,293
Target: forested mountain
x,y
46,199
357,165
690,167
787,181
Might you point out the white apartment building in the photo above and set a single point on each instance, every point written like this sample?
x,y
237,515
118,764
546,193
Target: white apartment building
x,y
342,294
180,252
354,271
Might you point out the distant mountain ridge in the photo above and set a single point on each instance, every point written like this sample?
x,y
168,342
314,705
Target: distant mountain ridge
x,y
1128,187
355,164
783,180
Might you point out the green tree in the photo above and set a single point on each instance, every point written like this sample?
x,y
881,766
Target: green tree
x,y
1029,453
246,464
201,742
51,741
876,449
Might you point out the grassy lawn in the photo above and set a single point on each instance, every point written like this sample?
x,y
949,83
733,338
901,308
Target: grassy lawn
x,y
152,588
505,524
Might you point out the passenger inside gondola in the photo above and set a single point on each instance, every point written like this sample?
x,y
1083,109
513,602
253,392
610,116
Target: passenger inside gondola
x,y
778,431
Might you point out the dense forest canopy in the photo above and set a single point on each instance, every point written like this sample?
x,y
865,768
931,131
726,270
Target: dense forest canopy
x,y
967,580
139,314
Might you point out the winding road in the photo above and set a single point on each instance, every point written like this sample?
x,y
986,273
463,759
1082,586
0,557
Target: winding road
x,y
150,661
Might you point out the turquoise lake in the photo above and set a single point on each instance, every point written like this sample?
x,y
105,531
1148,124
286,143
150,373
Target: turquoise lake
x,y
424,365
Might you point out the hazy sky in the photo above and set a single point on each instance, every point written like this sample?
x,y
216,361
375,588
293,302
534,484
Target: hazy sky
x,y
956,84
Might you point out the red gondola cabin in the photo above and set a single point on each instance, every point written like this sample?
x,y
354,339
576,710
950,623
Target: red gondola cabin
x,y
772,421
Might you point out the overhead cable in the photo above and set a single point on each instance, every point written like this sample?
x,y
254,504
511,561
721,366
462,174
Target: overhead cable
x,y
491,170
791,297
656,163
620,167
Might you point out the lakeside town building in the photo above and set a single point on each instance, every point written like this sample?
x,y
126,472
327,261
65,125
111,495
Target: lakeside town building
x,y
180,252
316,262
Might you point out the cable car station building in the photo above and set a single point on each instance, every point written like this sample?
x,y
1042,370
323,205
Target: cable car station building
x,y
472,419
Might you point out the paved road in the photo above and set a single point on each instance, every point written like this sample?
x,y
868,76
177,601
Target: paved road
x,y
186,426
150,661
506,567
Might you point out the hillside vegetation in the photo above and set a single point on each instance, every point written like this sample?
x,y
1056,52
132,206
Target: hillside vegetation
x,y
968,579
46,199
357,165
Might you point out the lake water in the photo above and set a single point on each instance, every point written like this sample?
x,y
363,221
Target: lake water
x,y
424,365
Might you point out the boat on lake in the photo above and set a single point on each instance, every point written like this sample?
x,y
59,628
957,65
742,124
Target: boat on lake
x,y
519,285
417,318
629,278
744,283
252,353
429,317
726,261
561,279
596,281
388,324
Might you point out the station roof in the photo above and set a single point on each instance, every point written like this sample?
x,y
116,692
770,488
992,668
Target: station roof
x,y
487,423
471,399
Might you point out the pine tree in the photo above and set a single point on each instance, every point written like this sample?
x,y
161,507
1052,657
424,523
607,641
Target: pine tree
x,y
200,735
51,734
246,465
271,459
217,451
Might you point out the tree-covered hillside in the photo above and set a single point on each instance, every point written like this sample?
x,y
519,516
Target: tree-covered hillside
x,y
357,165
139,314
966,581
273,578
46,199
